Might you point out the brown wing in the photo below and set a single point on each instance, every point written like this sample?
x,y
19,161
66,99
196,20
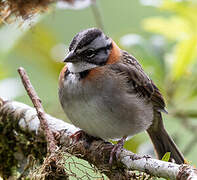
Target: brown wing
x,y
138,81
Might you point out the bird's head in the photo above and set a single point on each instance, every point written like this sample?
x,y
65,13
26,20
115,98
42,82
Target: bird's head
x,y
90,48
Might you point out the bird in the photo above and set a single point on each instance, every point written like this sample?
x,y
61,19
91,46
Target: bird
x,y
104,91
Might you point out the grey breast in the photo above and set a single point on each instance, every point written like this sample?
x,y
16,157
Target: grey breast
x,y
104,108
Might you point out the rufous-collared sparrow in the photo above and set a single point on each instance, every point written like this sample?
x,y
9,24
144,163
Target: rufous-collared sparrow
x,y
104,91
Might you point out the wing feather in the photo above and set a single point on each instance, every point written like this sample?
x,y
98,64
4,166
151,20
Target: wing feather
x,y
138,81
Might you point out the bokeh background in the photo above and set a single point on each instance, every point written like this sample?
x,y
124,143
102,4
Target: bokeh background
x,y
162,35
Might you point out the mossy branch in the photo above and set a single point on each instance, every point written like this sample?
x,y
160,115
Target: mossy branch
x,y
22,120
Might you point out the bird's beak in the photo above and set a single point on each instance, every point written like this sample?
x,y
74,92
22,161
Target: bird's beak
x,y
71,57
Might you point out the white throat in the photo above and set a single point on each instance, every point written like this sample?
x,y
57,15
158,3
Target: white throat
x,y
80,66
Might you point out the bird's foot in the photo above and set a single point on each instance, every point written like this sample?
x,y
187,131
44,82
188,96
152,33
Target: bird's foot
x,y
56,135
116,149
77,135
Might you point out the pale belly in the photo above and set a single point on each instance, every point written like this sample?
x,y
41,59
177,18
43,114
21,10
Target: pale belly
x,y
105,115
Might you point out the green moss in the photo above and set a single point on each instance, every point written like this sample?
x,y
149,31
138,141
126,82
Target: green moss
x,y
15,143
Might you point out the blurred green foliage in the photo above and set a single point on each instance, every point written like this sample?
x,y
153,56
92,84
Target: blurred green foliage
x,y
165,44
3,73
180,27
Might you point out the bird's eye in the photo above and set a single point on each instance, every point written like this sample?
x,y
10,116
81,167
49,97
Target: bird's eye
x,y
90,53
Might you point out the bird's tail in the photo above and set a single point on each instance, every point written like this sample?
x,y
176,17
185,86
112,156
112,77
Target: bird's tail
x,y
162,141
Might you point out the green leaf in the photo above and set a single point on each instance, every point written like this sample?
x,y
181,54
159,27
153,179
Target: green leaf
x,y
184,55
184,9
173,28
166,157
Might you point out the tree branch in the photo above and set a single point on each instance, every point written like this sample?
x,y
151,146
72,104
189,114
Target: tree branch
x,y
40,110
97,15
95,151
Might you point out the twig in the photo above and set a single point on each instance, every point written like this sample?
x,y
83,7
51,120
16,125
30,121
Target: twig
x,y
97,15
96,152
1,102
51,145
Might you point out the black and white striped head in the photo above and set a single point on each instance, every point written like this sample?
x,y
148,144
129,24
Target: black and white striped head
x,y
90,48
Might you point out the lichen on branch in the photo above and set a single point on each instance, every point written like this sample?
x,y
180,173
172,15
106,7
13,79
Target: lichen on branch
x,y
97,152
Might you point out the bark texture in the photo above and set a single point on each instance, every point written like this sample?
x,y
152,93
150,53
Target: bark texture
x,y
20,122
